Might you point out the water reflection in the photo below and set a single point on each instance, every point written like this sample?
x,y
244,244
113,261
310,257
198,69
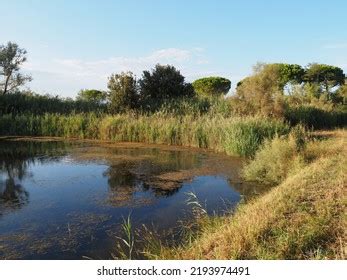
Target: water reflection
x,y
12,195
15,159
128,178
123,185
70,198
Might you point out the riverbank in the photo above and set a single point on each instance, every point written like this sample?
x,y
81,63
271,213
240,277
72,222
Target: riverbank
x,y
302,218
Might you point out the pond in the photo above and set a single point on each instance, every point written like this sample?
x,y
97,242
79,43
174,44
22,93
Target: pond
x,y
68,200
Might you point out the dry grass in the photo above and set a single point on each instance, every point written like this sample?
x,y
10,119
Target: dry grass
x,y
303,218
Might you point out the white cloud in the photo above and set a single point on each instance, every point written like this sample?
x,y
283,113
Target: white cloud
x,y
66,76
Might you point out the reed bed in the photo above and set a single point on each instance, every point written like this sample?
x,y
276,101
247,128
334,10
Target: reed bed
x,y
234,136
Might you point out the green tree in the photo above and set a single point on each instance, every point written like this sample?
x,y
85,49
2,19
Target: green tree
x,y
327,76
92,95
123,92
261,93
281,73
162,84
11,58
212,86
289,73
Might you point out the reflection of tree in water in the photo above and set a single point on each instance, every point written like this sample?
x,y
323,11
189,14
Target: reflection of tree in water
x,y
127,179
15,158
122,183
13,195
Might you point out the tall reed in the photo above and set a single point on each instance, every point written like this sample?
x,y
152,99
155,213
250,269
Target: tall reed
x,y
234,136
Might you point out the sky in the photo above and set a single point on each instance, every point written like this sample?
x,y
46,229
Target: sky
x,y
78,44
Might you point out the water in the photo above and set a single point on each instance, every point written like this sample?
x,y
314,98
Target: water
x,y
67,200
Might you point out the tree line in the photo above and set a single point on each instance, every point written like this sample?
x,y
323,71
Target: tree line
x,y
271,90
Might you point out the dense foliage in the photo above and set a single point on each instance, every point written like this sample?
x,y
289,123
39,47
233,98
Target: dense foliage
x,y
164,83
277,89
212,86
327,76
92,95
123,93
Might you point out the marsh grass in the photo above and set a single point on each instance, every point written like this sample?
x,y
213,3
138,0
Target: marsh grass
x,y
234,136
278,158
125,248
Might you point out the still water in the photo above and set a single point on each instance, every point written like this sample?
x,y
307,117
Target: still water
x,y
67,200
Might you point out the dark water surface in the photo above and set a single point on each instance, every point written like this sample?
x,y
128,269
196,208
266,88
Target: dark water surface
x,y
67,200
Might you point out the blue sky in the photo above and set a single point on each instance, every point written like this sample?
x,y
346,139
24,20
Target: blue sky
x,y
78,44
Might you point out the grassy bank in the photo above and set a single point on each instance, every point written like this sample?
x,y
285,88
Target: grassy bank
x,y
234,136
302,218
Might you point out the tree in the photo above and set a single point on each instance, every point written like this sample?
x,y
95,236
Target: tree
x,y
327,76
123,93
281,73
92,95
11,58
212,86
289,73
162,84
262,92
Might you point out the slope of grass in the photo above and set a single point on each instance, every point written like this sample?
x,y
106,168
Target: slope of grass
x,y
302,218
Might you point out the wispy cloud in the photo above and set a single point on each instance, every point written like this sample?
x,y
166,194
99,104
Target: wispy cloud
x,y
115,64
70,74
